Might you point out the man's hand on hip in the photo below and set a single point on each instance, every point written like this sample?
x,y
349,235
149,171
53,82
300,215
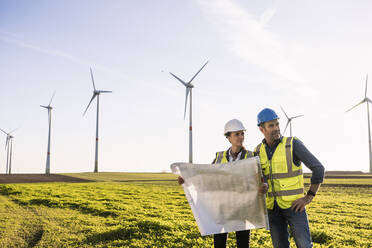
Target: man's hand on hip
x,y
299,204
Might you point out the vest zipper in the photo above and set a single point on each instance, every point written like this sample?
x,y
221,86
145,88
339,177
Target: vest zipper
x,y
272,180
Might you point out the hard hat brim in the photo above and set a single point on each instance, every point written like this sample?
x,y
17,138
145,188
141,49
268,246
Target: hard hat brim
x,y
235,131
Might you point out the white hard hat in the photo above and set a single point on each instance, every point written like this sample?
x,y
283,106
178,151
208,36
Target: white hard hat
x,y
233,126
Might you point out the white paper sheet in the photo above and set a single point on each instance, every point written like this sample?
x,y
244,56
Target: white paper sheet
x,y
224,197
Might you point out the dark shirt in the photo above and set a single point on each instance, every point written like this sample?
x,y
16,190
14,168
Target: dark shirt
x,y
300,154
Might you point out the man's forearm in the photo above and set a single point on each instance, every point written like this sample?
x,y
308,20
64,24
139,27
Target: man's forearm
x,y
314,187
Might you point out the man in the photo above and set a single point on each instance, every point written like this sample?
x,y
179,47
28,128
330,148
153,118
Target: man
x,y
281,159
234,133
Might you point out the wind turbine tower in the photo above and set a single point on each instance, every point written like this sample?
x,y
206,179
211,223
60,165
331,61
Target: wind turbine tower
x,y
96,93
368,101
49,108
9,150
189,87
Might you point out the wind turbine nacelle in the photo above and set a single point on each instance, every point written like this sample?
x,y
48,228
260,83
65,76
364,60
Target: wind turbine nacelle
x,y
190,86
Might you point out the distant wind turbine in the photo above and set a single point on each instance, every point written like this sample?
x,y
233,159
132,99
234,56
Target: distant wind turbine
x,y
189,87
289,121
49,108
96,93
9,150
366,100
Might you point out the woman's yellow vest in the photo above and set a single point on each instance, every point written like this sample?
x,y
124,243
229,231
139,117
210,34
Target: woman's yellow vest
x,y
221,157
285,179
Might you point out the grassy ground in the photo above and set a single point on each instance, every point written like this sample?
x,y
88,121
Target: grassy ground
x,y
125,176
153,214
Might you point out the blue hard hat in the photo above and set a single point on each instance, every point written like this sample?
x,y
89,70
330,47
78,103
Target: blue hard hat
x,y
266,115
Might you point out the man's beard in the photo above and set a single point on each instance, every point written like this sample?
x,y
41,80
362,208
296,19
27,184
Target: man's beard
x,y
275,135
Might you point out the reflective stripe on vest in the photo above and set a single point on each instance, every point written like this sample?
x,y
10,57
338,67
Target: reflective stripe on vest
x,y
287,186
287,192
222,158
219,157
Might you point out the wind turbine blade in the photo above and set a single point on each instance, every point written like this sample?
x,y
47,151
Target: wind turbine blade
x,y
365,92
44,106
105,91
355,106
178,79
284,112
297,116
94,95
13,130
187,96
51,99
91,75
198,72
4,131
286,126
369,100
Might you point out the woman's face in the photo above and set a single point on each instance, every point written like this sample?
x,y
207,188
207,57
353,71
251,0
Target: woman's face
x,y
236,138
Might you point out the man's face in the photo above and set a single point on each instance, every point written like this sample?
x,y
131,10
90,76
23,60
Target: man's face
x,y
271,130
236,138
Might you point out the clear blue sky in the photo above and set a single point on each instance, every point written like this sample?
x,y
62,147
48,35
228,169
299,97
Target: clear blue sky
x,y
309,57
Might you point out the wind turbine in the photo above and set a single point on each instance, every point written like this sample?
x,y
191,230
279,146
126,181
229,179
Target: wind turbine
x,y
289,121
96,93
49,108
366,100
189,87
9,149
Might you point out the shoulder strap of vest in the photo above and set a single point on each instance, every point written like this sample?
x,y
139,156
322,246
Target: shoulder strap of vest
x,y
219,156
242,155
257,150
288,143
288,153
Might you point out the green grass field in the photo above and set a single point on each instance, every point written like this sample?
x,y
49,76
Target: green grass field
x,y
153,214
124,176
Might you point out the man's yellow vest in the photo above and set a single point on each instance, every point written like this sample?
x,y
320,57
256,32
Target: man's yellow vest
x,y
221,157
285,179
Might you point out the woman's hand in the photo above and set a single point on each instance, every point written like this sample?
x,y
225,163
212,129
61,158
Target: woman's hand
x,y
264,187
180,180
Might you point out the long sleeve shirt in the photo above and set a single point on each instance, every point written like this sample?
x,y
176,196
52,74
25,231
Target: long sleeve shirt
x,y
300,154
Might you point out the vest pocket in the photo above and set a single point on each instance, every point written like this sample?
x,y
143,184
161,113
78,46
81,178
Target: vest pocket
x,y
289,183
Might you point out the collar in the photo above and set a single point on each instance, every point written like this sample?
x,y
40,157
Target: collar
x,y
275,143
229,150
228,153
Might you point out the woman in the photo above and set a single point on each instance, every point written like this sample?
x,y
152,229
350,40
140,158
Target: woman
x,y
234,132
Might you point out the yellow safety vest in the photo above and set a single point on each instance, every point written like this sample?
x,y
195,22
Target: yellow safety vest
x,y
285,179
221,157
